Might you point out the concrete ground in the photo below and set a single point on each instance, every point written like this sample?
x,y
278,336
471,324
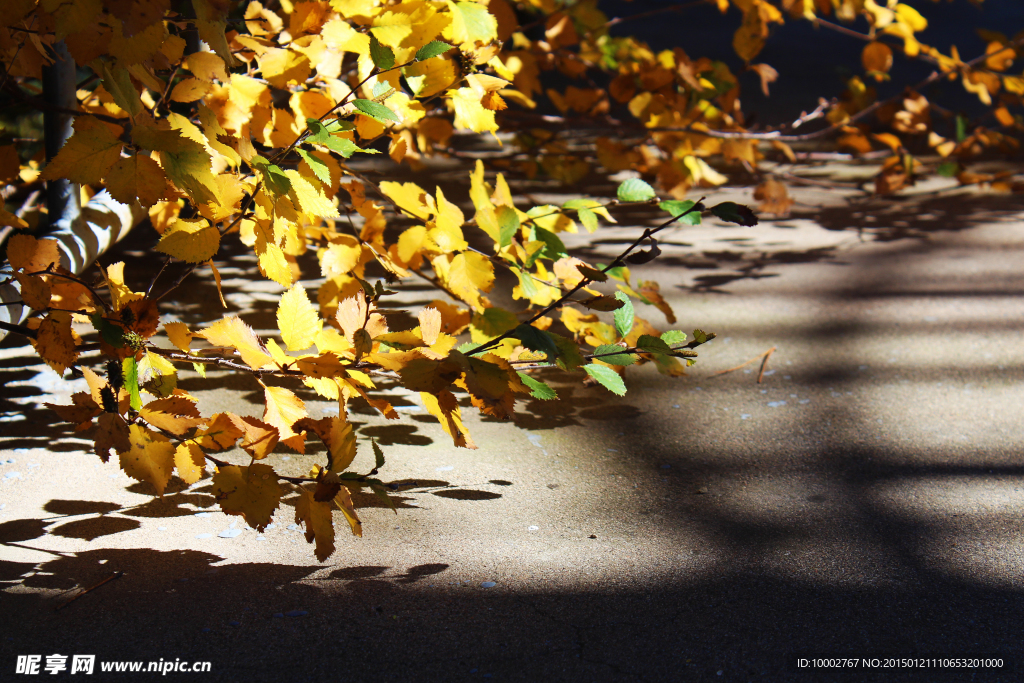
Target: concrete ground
x,y
864,500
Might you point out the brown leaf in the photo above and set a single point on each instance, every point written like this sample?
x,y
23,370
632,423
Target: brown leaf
x,y
258,438
327,486
111,433
651,291
80,412
174,414
344,502
189,460
55,342
774,197
336,433
221,433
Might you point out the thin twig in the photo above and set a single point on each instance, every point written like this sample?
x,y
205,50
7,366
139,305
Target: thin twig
x,y
764,356
115,575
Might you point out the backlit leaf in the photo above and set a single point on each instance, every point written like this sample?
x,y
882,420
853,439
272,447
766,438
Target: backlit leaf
x,y
297,319
376,110
150,457
316,517
634,190
433,49
383,56
192,241
607,378
88,154
678,207
538,389
624,315
252,492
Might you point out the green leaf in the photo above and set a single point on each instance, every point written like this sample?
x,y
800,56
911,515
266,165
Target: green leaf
x,y
337,125
607,378
569,357
538,389
378,489
961,127
273,177
700,336
377,111
346,147
494,322
319,168
536,340
624,315
649,344
731,212
382,90
433,49
508,224
130,373
318,132
613,355
383,56
673,337
677,207
527,283
635,190
378,455
948,169
466,347
554,249
112,334
588,218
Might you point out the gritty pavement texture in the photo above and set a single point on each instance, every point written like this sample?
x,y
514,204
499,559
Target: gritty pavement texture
x,y
865,499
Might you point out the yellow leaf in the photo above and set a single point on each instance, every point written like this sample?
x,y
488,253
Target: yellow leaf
x,y
430,76
468,275
173,414
447,231
339,35
35,291
323,366
319,523
274,265
283,410
120,294
911,17
337,434
192,241
189,460
88,154
150,457
281,66
136,178
206,66
309,196
221,433
471,23
408,196
445,408
343,500
30,255
471,114
252,492
55,342
297,319
430,325
232,331
190,90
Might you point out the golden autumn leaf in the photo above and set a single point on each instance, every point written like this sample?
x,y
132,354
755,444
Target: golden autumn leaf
x,y
88,154
445,407
150,457
192,241
252,492
469,274
173,414
283,410
35,290
31,255
337,434
179,335
297,319
470,112
232,331
344,502
55,342
136,178
189,460
221,433
318,520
